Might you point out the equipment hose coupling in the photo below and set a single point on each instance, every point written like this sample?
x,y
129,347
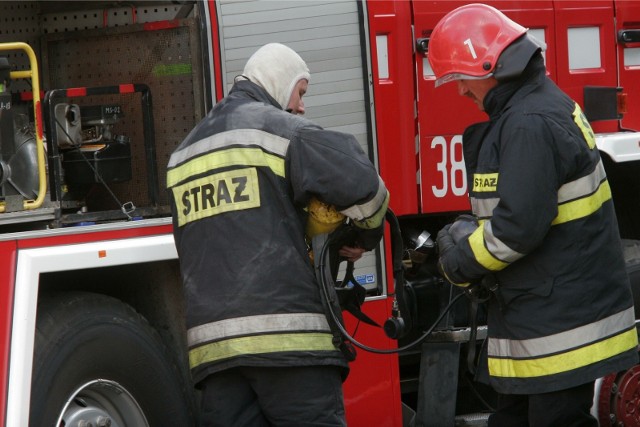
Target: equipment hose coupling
x,y
394,326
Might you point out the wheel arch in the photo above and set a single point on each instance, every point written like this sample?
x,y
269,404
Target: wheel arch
x,y
153,289
142,272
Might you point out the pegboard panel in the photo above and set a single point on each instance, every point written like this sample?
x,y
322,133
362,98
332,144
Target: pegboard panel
x,y
166,60
94,15
19,23
27,21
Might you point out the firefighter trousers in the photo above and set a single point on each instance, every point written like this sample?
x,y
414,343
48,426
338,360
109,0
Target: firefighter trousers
x,y
564,408
301,396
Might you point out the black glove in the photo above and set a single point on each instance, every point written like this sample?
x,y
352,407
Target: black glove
x,y
462,227
369,238
448,263
445,240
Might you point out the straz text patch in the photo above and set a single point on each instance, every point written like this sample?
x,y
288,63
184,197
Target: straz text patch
x,y
485,182
212,195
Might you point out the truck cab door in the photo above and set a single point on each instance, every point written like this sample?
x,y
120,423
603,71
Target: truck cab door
x,y
443,114
585,51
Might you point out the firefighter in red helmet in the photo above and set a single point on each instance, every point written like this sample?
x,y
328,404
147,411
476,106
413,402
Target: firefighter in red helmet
x,y
547,235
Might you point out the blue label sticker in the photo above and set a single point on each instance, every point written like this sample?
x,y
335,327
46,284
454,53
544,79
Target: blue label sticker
x,y
364,279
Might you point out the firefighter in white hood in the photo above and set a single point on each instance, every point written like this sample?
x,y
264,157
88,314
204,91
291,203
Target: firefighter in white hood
x,y
260,346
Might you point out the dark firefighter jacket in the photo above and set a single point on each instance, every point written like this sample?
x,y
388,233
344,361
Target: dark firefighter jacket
x,y
239,183
548,234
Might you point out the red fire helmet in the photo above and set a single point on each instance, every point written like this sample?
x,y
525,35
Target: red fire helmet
x,y
467,42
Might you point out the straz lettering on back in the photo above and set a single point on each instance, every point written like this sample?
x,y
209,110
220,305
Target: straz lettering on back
x,y
215,194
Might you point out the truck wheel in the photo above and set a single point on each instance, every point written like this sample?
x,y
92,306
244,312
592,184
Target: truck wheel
x,y
97,362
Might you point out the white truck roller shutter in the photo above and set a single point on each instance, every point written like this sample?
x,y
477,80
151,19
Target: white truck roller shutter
x,y
328,35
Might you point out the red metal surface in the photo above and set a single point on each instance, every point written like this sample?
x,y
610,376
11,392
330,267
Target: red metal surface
x,y
394,100
127,88
372,390
77,91
604,400
7,267
576,14
619,399
28,96
628,18
161,25
443,114
215,43
627,399
39,124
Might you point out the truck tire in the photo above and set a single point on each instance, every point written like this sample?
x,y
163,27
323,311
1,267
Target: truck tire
x,y
96,360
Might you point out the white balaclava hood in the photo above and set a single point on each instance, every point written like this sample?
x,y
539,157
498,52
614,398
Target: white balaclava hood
x,y
277,69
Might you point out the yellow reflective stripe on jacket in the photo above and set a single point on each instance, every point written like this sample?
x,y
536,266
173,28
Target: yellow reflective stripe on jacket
x,y
576,199
581,121
482,254
564,362
371,213
583,186
260,344
581,208
446,276
377,218
579,336
567,210
243,137
224,158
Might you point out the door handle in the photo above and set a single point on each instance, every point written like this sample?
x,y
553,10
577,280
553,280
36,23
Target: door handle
x,y
422,45
629,36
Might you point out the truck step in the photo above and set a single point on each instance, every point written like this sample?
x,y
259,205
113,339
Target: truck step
x,y
479,419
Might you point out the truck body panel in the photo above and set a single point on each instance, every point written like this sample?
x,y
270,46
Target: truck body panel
x,y
132,80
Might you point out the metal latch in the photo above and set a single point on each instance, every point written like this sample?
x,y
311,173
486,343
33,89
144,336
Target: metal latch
x,y
422,45
629,36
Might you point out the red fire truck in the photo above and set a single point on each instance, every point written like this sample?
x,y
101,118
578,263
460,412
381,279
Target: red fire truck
x,y
94,96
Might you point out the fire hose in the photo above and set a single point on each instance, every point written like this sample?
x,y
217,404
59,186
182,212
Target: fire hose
x,y
400,319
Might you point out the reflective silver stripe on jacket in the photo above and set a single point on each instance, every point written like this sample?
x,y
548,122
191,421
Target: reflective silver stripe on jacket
x,y
250,325
370,208
582,186
272,143
497,247
563,341
483,208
